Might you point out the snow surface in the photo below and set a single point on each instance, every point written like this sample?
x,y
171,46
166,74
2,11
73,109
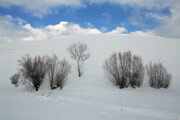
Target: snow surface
x,y
91,97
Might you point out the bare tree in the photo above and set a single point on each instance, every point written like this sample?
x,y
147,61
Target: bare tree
x,y
79,52
158,76
137,72
33,70
15,79
57,71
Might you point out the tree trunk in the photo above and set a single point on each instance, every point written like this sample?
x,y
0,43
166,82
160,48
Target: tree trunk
x,y
79,70
36,88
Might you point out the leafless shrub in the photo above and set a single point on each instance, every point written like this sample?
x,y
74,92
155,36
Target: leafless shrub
x,y
137,72
117,69
123,69
15,79
63,69
57,71
111,69
52,67
158,76
33,70
78,52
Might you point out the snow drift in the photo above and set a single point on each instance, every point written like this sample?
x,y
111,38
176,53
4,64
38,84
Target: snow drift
x,y
91,96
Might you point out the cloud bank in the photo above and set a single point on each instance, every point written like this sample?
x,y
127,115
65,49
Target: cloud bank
x,y
118,30
12,29
169,25
40,8
16,29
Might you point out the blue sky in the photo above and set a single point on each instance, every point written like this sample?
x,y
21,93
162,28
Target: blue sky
x,y
92,15
156,16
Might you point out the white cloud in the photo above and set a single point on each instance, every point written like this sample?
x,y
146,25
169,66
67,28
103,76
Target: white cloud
x,y
34,33
61,29
11,28
66,28
11,31
142,33
122,30
170,26
14,29
40,8
118,30
150,4
43,6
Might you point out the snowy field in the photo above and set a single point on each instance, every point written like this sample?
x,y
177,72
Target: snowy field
x,y
91,97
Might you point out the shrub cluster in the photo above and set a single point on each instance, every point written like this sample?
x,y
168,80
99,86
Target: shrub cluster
x,y
123,69
57,71
35,70
15,79
158,76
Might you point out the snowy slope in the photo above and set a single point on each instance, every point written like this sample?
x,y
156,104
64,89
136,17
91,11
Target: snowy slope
x,y
91,97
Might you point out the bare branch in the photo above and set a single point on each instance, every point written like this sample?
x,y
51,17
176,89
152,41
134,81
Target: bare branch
x,y
33,69
158,76
79,52
15,79
123,69
57,71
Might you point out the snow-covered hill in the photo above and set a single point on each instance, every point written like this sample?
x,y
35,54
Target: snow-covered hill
x,y
91,97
